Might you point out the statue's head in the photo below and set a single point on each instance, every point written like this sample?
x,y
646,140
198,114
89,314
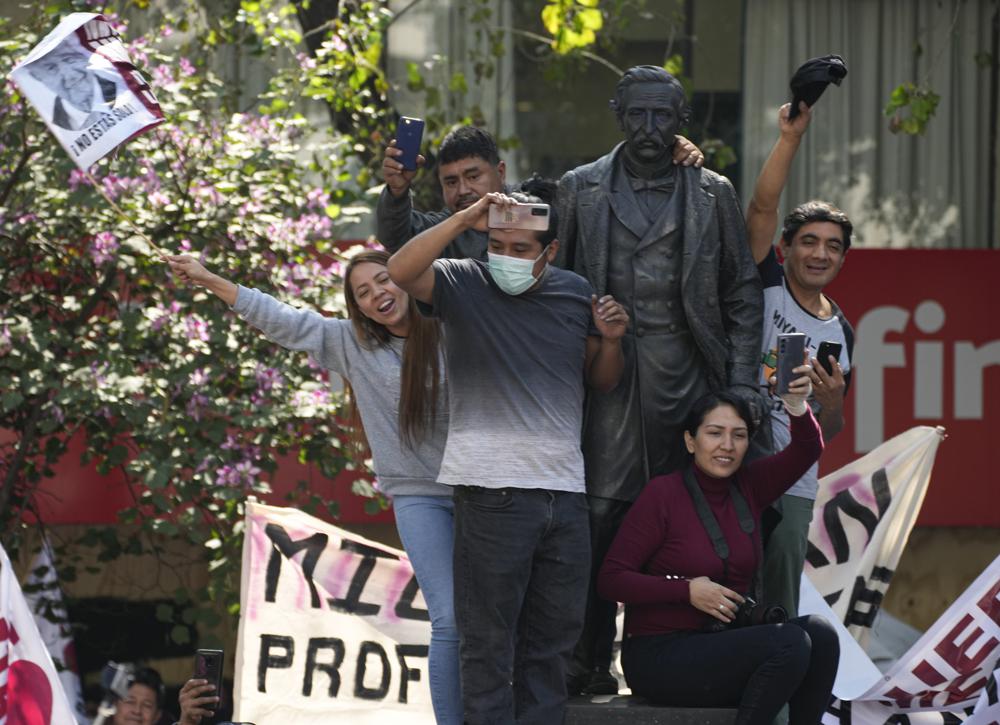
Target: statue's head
x,y
651,108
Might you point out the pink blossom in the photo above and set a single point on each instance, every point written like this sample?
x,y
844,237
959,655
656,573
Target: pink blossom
x,y
317,199
166,31
158,198
103,248
195,405
337,43
244,473
160,321
76,178
138,57
196,328
185,245
306,62
268,378
187,68
163,75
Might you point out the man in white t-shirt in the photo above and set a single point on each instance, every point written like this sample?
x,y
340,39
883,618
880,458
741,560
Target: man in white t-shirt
x,y
814,241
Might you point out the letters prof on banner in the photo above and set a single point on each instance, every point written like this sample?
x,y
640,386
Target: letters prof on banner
x,y
332,625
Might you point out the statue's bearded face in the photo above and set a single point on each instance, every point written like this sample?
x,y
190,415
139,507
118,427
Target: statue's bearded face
x,y
650,118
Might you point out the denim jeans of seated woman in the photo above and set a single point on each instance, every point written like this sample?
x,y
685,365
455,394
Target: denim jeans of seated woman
x,y
426,528
756,669
522,560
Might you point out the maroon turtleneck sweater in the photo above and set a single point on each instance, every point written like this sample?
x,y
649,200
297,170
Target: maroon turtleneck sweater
x,y
662,535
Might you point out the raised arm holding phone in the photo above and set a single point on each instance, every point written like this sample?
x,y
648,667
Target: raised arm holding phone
x,y
521,337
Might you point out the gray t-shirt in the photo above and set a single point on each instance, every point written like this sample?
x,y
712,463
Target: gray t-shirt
x,y
515,377
375,377
782,314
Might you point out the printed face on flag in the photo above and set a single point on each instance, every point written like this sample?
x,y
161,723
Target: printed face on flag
x,y
84,86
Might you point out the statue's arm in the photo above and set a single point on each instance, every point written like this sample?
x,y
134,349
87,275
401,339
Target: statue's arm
x,y
566,210
741,298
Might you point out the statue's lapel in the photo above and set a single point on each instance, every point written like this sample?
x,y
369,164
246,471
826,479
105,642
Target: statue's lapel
x,y
699,206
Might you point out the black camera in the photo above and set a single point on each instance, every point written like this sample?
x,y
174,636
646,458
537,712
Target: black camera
x,y
750,613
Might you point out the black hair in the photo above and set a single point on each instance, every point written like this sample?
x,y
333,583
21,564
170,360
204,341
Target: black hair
x,y
709,402
648,74
467,142
150,678
539,190
816,211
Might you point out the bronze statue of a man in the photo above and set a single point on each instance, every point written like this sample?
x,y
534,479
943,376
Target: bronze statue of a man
x,y
668,242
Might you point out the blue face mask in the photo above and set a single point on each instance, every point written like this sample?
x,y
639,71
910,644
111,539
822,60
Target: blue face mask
x,y
512,274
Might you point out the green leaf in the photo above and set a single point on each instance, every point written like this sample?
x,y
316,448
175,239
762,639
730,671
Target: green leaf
x,y
674,65
10,400
180,634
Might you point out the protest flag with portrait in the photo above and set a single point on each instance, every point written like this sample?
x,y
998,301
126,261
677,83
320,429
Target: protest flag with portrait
x,y
83,84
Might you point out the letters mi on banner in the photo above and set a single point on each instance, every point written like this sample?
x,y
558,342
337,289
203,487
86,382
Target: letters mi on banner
x,y
333,627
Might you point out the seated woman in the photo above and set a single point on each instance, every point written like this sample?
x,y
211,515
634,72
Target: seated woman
x,y
682,587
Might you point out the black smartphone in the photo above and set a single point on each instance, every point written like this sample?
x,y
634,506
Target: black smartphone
x,y
208,666
823,353
409,134
791,354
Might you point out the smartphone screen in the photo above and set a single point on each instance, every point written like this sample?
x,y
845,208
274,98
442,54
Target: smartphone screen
x,y
791,354
409,134
208,666
823,353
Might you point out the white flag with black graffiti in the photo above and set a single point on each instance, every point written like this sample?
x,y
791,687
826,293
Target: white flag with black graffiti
x,y
862,519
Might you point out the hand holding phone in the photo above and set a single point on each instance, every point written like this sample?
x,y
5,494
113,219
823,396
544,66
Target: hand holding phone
x,y
823,353
208,666
519,216
409,134
791,354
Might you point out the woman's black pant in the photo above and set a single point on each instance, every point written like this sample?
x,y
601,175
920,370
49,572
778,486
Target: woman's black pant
x,y
757,669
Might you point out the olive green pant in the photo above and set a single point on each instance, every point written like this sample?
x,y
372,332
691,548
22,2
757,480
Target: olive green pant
x,y
785,554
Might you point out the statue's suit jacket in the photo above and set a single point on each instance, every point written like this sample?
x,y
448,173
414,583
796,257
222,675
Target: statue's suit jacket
x,y
720,287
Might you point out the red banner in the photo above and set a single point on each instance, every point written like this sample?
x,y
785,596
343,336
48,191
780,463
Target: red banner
x,y
926,352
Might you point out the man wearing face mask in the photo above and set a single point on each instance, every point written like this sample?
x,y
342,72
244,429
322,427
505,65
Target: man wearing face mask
x,y
669,243
521,339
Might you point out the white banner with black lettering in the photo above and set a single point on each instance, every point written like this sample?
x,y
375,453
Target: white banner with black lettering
x,y
83,84
333,627
942,677
862,519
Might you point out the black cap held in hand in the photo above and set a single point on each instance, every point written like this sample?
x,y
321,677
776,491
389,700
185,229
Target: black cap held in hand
x,y
812,78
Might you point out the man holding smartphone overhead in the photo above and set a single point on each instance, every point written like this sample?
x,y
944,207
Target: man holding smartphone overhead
x,y
469,167
814,241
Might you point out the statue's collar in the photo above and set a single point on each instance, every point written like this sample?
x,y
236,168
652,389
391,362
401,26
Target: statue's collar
x,y
643,171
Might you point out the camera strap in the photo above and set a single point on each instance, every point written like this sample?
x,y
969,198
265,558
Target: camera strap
x,y
711,524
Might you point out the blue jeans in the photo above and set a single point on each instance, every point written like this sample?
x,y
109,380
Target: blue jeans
x,y
426,527
522,561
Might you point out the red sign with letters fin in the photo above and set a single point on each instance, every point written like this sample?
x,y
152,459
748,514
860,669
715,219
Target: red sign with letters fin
x,y
927,352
